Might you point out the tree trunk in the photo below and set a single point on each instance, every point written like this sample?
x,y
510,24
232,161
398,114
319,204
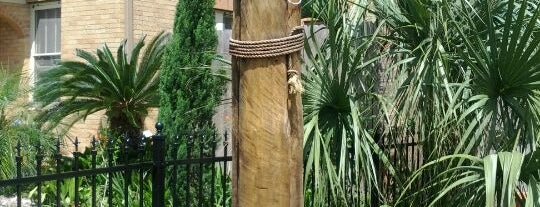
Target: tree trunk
x,y
268,124
121,126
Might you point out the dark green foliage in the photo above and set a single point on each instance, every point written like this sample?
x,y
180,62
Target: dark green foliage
x,y
9,89
307,9
67,189
16,126
189,90
123,85
119,179
29,136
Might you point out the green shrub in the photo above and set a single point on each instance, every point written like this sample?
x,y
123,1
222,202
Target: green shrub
x,y
17,128
124,86
189,89
9,91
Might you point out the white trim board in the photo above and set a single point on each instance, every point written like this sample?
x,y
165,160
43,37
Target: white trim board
x,y
40,6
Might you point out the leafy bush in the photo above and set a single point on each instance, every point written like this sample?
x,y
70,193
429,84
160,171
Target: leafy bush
x,y
16,128
9,91
125,87
457,80
189,89
119,180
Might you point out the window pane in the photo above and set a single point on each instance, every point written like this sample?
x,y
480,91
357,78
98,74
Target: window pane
x,y
47,34
44,64
57,31
228,20
40,31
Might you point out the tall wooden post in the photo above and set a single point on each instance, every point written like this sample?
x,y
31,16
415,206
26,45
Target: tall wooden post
x,y
268,124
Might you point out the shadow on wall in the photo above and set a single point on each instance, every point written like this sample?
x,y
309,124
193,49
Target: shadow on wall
x,y
14,41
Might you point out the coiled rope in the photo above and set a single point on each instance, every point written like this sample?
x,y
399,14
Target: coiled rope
x,y
268,48
273,48
295,3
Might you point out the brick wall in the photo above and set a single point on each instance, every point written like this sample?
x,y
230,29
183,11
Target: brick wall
x,y
152,16
85,28
13,49
89,25
149,18
14,35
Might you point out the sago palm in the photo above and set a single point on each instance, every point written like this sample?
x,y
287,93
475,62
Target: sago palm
x,y
9,87
124,86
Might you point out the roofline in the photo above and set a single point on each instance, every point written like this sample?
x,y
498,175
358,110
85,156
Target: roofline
x,y
223,10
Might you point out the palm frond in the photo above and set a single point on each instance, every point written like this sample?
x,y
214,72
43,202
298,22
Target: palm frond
x,y
340,147
125,86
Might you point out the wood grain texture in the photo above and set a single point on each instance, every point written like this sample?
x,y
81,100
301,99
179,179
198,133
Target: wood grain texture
x,y
268,122
296,122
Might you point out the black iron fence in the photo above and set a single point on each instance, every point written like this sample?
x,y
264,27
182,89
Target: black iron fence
x,y
157,171
405,154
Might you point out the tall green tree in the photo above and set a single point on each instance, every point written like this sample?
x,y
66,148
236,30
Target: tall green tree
x,y
189,90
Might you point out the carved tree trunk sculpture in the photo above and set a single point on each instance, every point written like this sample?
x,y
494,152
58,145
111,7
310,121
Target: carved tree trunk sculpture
x,y
268,124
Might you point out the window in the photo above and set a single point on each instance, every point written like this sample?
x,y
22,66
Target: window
x,y
228,20
46,38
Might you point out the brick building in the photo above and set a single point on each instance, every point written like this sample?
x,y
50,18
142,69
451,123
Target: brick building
x,y
36,34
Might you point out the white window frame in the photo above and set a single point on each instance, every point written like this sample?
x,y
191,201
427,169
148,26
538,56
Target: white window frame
x,y
220,20
37,7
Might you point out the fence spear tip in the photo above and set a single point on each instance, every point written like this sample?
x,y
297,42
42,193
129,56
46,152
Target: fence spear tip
x,y
159,126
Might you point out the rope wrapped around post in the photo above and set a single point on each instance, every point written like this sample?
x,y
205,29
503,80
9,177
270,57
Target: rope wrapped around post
x,y
273,48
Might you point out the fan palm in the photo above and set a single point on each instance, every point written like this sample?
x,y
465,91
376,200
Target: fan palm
x,y
425,73
424,83
495,105
503,56
338,103
124,87
503,112
502,179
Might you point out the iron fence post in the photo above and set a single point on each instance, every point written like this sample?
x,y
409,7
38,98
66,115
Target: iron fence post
x,y
39,160
76,156
58,159
158,169
94,165
18,160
